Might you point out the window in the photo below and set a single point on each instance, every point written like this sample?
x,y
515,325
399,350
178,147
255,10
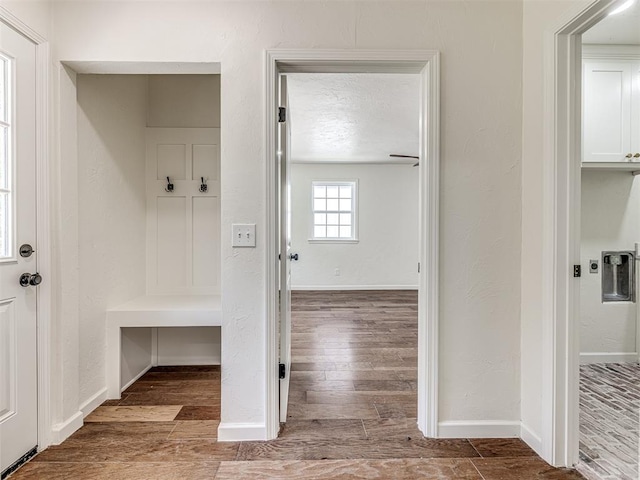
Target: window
x,y
334,211
6,162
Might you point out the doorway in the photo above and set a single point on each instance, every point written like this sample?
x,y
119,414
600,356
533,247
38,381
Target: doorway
x,y
609,374
354,233
426,65
561,308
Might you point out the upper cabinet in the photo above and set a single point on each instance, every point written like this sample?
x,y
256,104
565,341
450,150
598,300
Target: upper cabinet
x,y
611,106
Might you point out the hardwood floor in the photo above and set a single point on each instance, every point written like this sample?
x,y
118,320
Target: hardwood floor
x,y
352,412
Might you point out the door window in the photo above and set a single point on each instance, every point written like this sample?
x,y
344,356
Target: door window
x,y
6,161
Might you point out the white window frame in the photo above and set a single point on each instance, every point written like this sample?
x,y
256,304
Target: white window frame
x,y
354,211
9,98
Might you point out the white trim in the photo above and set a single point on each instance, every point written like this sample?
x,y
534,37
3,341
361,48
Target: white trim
x,y
354,287
608,357
530,438
479,429
94,402
63,430
143,68
611,52
561,232
425,62
43,241
134,379
241,432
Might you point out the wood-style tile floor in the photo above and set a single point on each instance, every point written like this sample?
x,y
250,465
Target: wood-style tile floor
x,y
609,421
351,414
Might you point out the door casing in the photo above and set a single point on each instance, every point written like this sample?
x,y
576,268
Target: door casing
x,y
427,64
43,240
561,232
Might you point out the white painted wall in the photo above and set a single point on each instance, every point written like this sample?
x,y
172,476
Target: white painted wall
x,y
112,113
387,252
540,20
610,221
481,45
184,101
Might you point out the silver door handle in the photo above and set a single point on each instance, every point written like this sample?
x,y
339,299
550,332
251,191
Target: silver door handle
x,y
293,256
33,279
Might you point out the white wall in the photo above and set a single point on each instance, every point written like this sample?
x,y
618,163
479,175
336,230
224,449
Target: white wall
x,y
481,45
112,113
540,21
387,252
184,101
610,221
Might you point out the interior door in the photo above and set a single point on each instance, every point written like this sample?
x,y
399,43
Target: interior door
x,y
285,247
18,381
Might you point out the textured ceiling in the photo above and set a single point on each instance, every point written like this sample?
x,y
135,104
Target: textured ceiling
x,y
353,117
620,29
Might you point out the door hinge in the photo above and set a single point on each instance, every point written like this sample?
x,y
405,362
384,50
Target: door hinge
x,y
282,114
418,267
577,271
283,370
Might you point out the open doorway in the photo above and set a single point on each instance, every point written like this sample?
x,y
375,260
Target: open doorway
x,y
354,238
425,64
609,243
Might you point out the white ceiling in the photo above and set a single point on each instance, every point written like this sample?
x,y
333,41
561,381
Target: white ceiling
x,y
356,118
620,29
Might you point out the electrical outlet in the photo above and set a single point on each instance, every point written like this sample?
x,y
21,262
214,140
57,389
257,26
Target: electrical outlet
x,y
244,235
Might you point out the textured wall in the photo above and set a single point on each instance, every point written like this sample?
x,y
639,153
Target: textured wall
x,y
610,221
387,251
481,45
112,209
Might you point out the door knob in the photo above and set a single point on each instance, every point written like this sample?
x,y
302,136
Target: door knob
x,y
293,256
27,279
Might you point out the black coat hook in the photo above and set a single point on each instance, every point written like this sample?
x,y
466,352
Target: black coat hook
x,y
169,186
203,185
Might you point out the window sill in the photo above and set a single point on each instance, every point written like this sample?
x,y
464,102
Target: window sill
x,y
333,240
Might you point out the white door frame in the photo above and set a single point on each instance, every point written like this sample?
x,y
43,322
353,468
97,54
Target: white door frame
x,y
425,62
561,232
43,240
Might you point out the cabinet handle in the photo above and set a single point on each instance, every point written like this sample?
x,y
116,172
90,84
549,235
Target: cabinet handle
x,y
628,155
637,155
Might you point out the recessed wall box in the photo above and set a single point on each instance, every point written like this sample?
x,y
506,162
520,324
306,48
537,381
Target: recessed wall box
x,y
618,277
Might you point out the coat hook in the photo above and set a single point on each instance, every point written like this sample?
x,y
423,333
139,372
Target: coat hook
x,y
203,185
169,186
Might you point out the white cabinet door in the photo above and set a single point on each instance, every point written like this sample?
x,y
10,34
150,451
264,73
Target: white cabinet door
x,y
18,380
635,111
606,111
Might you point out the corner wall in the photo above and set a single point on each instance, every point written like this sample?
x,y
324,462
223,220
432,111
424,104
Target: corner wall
x,y
112,113
386,255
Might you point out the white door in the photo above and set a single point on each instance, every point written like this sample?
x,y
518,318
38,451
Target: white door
x,y
285,248
18,381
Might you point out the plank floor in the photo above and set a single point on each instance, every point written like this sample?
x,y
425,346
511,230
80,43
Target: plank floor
x,y
352,410
609,421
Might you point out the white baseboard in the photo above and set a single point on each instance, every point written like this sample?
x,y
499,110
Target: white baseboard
x,y
608,357
530,438
61,431
354,287
241,432
94,402
479,429
137,377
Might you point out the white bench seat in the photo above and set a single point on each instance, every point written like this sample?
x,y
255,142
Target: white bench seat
x,y
155,311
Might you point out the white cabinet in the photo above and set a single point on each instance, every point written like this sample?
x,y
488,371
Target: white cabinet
x,y
611,110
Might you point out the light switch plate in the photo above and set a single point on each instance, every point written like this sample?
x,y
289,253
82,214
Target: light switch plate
x,y
244,235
